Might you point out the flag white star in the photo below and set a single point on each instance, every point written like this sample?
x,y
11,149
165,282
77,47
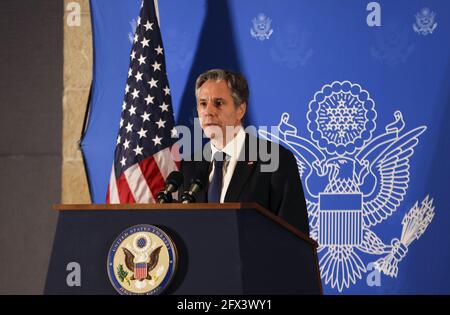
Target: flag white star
x,y
138,76
121,122
136,38
135,93
142,60
157,140
126,144
127,89
123,161
129,127
148,26
132,110
130,72
149,99
145,117
166,90
164,107
138,150
174,132
145,42
153,82
156,66
124,105
161,123
139,21
159,50
133,55
142,133
118,139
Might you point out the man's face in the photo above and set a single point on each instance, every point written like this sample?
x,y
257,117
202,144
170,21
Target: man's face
x,y
216,109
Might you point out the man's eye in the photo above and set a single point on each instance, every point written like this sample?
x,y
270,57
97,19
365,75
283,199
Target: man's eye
x,y
218,103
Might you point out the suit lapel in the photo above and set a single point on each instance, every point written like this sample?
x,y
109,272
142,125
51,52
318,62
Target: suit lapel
x,y
242,172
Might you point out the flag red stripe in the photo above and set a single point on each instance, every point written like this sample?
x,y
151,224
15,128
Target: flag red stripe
x,y
107,195
125,194
138,185
152,175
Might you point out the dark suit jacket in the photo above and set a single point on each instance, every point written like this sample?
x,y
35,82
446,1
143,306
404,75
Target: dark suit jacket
x,y
279,191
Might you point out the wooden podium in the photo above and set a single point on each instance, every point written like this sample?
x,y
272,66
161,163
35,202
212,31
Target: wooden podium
x,y
230,248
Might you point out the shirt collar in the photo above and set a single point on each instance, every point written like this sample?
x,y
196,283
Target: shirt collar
x,y
234,147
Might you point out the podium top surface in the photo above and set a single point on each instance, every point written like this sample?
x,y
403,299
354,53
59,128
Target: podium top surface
x,y
188,207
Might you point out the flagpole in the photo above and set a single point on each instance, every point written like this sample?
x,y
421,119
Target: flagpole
x,y
157,10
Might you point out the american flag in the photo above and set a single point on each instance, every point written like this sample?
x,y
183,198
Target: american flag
x,y
143,155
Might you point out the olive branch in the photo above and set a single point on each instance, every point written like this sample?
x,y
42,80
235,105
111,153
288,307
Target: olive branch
x,y
122,274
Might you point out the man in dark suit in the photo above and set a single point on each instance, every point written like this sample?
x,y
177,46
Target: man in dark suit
x,y
241,167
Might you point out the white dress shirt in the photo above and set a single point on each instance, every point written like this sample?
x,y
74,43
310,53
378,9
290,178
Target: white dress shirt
x,y
233,150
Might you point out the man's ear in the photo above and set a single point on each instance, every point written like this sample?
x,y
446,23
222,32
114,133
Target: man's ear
x,y
242,109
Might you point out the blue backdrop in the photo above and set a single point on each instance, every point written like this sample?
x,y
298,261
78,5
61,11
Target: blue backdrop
x,y
360,93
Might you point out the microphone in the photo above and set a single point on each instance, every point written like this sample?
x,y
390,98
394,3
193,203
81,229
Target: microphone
x,y
173,181
197,184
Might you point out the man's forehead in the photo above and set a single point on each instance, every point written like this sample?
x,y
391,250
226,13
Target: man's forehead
x,y
215,87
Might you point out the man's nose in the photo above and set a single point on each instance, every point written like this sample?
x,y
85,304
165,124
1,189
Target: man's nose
x,y
210,109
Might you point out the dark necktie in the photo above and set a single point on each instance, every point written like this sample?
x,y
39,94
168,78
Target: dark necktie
x,y
215,187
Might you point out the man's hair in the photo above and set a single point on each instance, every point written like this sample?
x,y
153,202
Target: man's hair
x,y
235,81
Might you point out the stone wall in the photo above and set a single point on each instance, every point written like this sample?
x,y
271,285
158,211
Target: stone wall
x,y
77,82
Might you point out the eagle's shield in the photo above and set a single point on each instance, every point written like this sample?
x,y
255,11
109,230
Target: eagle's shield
x,y
140,271
340,219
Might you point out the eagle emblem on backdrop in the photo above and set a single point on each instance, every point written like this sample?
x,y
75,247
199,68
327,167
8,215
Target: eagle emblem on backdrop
x,y
291,46
392,44
425,22
179,49
142,260
354,181
133,24
261,27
